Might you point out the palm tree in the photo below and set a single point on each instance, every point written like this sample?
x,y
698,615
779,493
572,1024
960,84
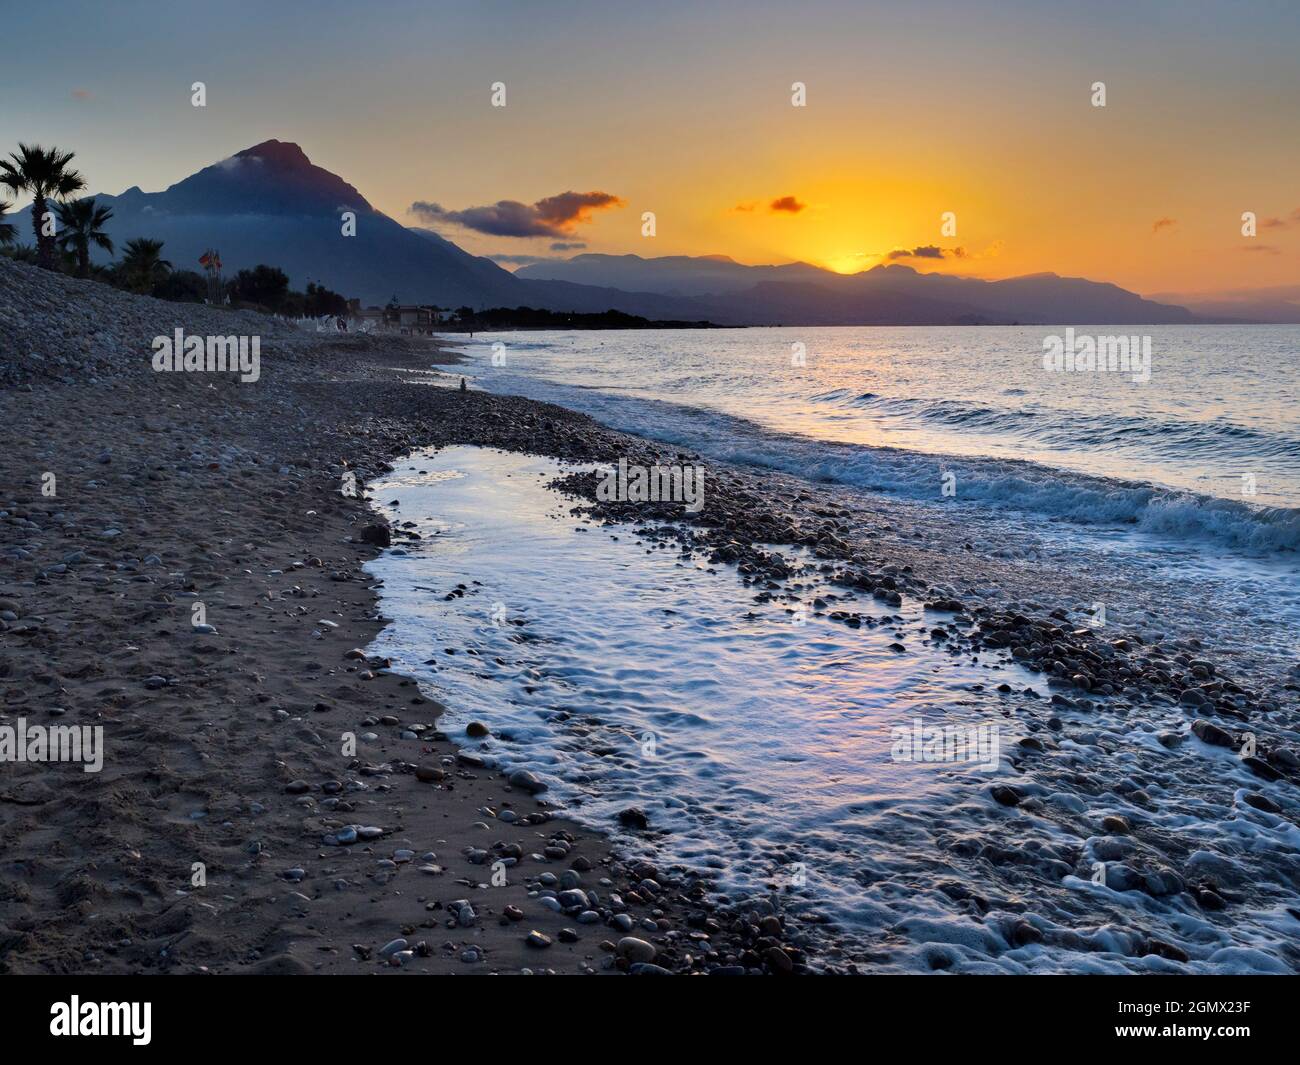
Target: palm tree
x,y
142,264
44,173
7,231
81,225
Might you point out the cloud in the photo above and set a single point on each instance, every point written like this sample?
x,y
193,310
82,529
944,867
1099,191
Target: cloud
x,y
571,245
1281,223
786,203
925,251
933,251
781,205
1266,249
554,216
1163,223
81,94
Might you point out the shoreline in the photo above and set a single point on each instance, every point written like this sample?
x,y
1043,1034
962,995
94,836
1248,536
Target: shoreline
x,y
234,489
227,742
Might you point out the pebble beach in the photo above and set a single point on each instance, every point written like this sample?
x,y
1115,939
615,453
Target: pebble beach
x,y
223,742
275,796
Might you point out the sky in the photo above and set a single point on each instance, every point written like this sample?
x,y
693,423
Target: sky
x,y
913,112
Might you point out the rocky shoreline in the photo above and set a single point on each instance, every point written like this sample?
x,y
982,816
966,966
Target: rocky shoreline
x,y
225,745
224,740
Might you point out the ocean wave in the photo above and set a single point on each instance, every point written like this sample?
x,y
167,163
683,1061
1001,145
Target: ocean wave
x,y
1005,484
1062,428
1023,486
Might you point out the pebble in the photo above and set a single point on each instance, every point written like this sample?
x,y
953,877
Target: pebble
x,y
526,781
1261,802
636,949
1208,732
634,817
458,907
1261,768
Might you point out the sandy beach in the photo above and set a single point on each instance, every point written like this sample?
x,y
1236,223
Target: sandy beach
x,y
224,747
335,828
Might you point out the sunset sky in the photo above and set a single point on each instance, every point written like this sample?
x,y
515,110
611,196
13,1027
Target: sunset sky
x,y
684,109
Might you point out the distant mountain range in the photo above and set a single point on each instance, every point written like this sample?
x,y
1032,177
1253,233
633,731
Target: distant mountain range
x,y
799,293
270,204
1277,305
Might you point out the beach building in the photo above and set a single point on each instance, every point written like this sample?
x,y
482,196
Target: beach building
x,y
400,318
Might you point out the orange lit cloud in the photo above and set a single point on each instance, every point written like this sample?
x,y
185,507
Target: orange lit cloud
x,y
554,216
928,251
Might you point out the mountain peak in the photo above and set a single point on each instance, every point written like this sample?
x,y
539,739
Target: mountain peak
x,y
274,177
284,155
